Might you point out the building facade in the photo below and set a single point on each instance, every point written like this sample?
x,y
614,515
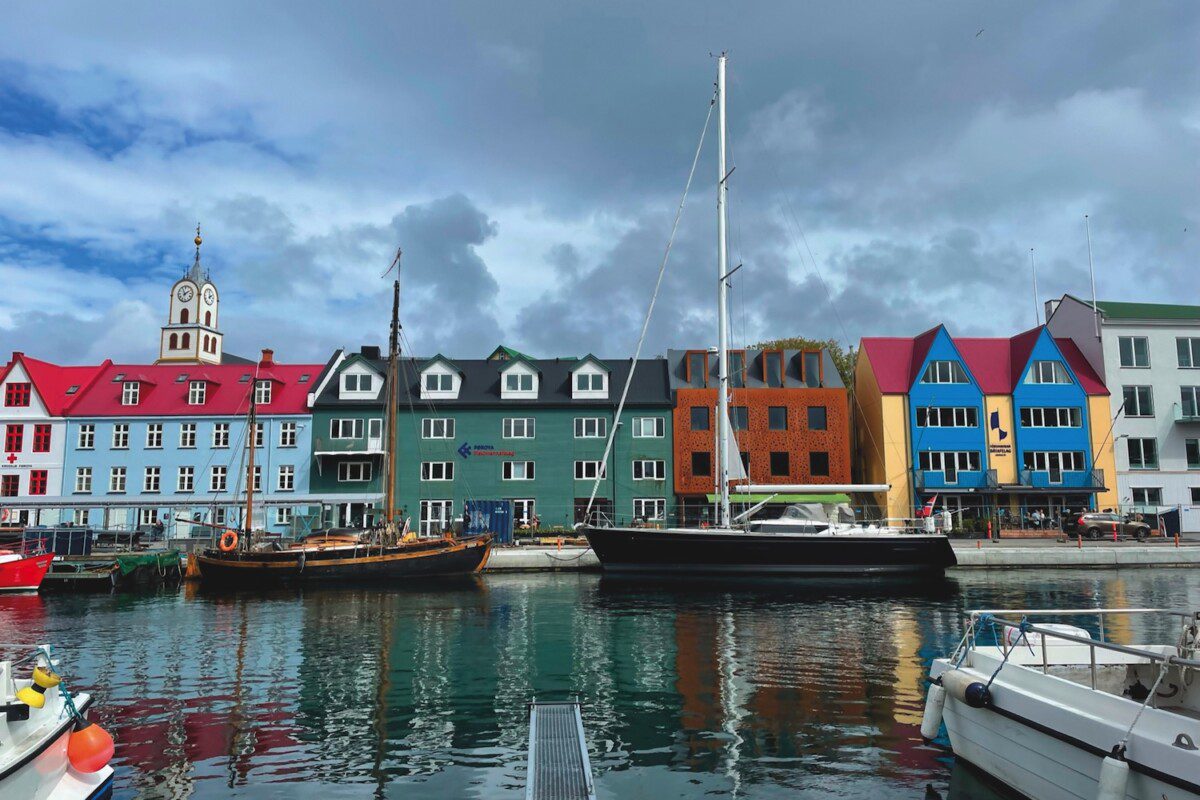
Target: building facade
x,y
508,427
788,411
985,425
1148,354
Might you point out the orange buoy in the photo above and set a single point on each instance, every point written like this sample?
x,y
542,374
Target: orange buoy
x,y
228,542
89,748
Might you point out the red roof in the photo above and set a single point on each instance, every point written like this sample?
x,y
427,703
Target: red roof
x,y
52,382
890,358
164,389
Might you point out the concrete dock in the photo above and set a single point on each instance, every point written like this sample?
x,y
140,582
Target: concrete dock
x,y
1013,554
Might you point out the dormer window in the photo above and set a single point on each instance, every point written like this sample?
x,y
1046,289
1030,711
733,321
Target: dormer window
x,y
944,372
197,393
812,369
440,379
697,368
352,382
130,393
439,383
518,383
1048,372
262,392
589,380
773,368
593,382
737,369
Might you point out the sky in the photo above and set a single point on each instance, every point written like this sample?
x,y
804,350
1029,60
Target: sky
x,y
895,165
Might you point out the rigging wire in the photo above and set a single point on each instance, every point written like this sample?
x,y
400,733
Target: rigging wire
x,y
650,309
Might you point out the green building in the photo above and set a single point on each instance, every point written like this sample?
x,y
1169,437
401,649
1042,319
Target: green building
x,y
508,427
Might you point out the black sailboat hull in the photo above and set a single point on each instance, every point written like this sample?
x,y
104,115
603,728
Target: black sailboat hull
x,y
715,552
347,565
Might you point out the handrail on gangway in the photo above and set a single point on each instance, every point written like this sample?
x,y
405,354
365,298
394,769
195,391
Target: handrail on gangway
x,y
559,768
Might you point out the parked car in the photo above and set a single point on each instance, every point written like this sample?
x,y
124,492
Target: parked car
x,y
1097,524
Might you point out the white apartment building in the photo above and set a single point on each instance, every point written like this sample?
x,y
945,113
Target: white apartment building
x,y
1148,354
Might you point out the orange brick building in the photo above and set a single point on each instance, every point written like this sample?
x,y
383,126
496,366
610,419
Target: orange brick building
x,y
790,415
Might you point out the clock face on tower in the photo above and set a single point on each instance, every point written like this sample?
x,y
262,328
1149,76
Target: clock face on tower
x,y
184,293
209,296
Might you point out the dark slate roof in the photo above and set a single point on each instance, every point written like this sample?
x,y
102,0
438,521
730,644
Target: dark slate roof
x,y
792,366
481,385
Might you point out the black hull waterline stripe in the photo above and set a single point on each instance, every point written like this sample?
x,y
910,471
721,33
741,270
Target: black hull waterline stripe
x,y
46,744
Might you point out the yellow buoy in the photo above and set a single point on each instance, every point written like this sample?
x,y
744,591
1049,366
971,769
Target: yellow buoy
x,y
35,696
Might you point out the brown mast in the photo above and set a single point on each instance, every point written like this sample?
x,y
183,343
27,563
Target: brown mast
x,y
393,403
251,438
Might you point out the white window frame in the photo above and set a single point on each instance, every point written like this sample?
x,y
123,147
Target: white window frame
x,y
945,416
518,428
116,480
259,435
427,521
1191,344
437,471
80,517
154,436
120,436
147,516
1048,371
218,478
197,393
945,371
83,480
361,469
1189,393
599,426
589,382
1133,340
509,471
519,382
437,428
220,435
262,392
587,470
257,478
283,515
87,436
185,479
657,425
359,378
187,436
288,433
131,392
151,480
1146,500
657,471
524,510
1050,417
285,478
650,508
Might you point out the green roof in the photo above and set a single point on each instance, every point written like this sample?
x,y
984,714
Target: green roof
x,y
1119,310
785,498
511,353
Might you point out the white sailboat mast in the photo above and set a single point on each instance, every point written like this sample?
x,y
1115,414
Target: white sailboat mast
x,y
722,308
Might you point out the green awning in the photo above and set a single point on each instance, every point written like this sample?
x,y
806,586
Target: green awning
x,y
784,498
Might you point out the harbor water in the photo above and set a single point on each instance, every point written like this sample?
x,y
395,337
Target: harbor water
x,y
748,690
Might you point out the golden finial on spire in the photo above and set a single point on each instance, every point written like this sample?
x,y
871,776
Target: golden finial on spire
x,y
199,241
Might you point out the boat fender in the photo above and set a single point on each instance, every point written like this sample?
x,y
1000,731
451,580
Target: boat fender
x,y
90,747
1114,776
228,542
35,695
960,686
935,701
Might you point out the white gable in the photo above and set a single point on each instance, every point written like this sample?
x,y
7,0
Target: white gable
x,y
589,381
518,381
359,382
35,409
440,381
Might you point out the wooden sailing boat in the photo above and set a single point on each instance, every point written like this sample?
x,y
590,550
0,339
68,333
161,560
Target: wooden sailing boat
x,y
386,553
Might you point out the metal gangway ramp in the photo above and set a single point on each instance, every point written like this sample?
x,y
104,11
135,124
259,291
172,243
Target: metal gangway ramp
x,y
558,759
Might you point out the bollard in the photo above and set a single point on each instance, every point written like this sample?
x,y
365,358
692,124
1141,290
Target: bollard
x,y
1080,541
560,544
989,530
1177,540
1114,531
978,544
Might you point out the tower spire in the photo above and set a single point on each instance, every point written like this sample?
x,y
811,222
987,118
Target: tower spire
x,y
194,274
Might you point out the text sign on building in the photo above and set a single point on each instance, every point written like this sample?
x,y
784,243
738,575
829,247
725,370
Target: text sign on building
x,y
466,449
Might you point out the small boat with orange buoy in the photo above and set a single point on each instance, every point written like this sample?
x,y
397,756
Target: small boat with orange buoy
x,y
48,748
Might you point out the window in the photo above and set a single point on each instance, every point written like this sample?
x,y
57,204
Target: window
x,y
701,464
130,392
518,382
285,478
10,485
287,434
1188,349
154,436
437,428
780,463
745,461
38,478
217,478
151,479
345,428
87,436
283,515
1048,372
1143,454
649,508
700,418
697,368
1196,495
1134,351
812,370
41,438
262,392
1147,496
518,428
1189,399
944,372
739,417
648,470
435,516
17,394
949,462
649,427
185,479
354,472
197,393
14,438
524,511
1192,448
737,369
773,368
116,479
259,428
818,463
1139,401
1054,462
83,480
947,417
591,427
439,382
518,471
147,516
257,478
437,470
120,436
221,516
818,419
589,382
358,383
588,470
777,418
220,437
187,435
1051,417
80,516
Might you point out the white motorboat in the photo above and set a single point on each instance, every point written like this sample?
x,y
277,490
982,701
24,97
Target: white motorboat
x,y
48,749
1054,713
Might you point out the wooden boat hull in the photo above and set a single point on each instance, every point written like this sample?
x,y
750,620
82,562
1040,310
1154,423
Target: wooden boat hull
x,y
430,559
715,552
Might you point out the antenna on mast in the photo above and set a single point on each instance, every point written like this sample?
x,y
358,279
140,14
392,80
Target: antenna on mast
x,y
1037,319
1087,226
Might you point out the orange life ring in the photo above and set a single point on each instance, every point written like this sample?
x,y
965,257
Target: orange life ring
x,y
228,542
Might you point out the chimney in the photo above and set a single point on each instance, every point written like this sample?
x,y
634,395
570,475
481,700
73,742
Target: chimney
x,y
268,358
1051,307
370,351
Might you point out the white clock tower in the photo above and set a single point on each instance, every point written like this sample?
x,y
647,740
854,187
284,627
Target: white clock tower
x,y
190,335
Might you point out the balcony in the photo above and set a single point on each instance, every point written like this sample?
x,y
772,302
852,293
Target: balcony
x,y
362,446
930,480
1185,416
1086,480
